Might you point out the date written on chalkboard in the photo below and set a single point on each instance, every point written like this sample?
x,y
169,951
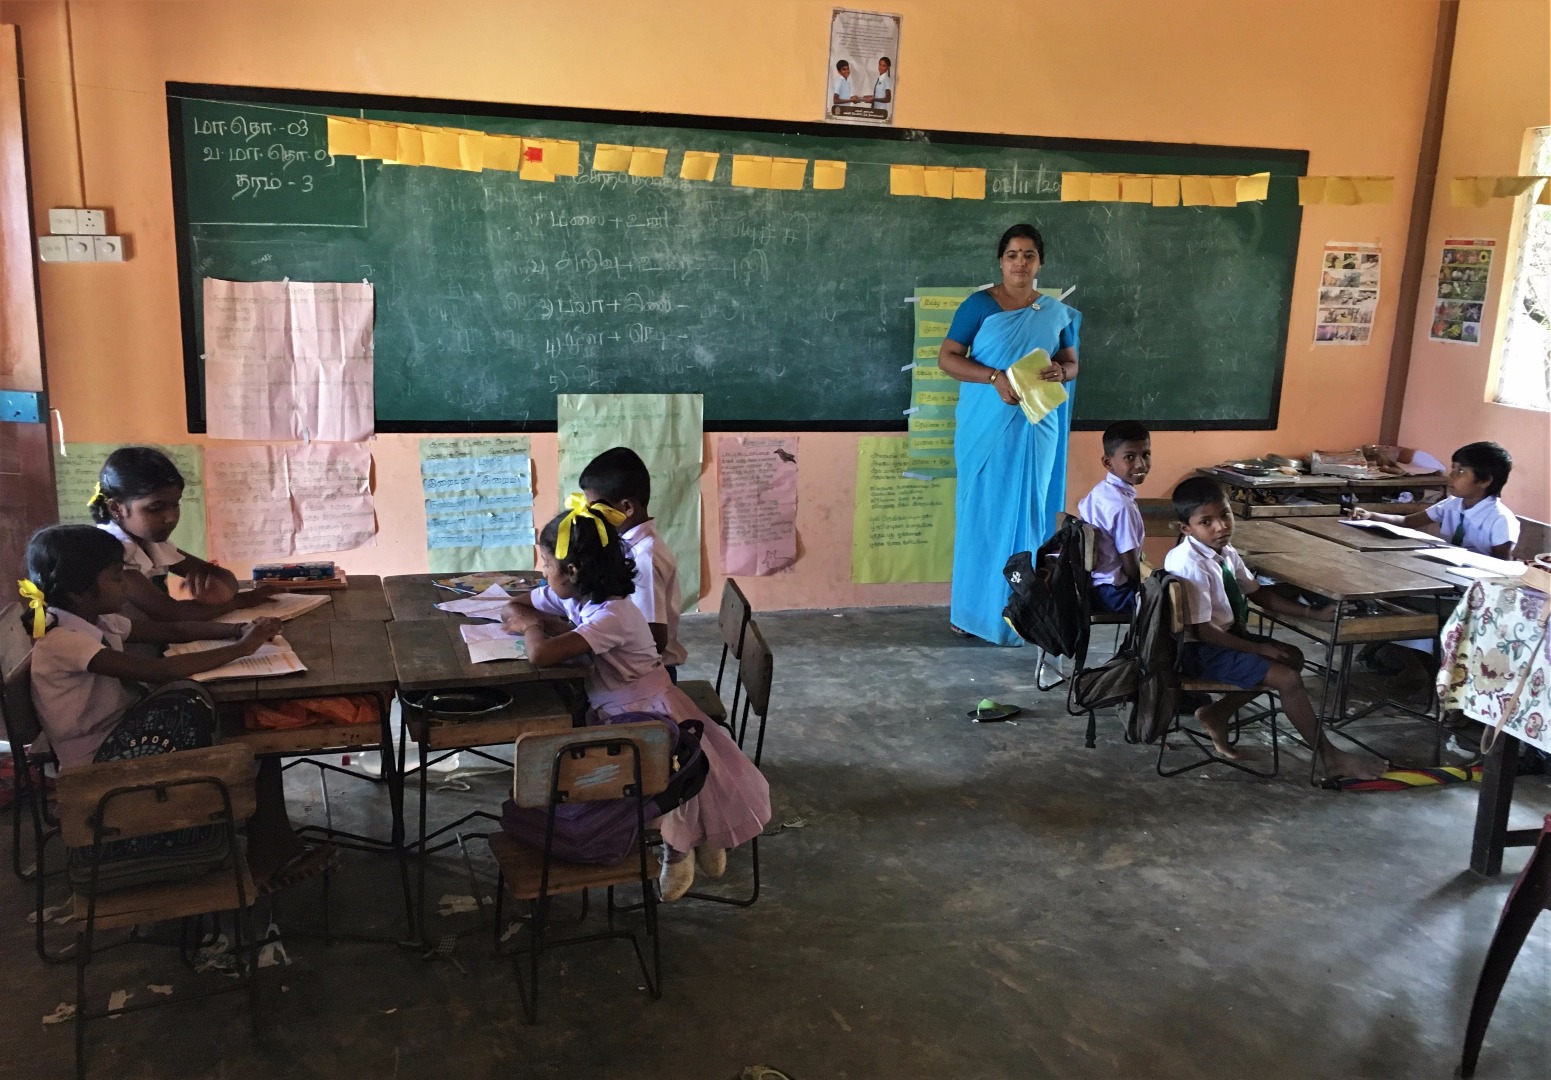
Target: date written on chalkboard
x,y
249,160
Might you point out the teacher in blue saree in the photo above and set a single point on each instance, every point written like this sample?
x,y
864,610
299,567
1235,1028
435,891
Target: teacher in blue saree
x,y
1012,474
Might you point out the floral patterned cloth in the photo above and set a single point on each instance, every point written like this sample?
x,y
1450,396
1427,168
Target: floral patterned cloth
x,y
1495,647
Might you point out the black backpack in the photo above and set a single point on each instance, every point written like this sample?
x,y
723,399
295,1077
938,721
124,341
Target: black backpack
x,y
1142,672
1049,602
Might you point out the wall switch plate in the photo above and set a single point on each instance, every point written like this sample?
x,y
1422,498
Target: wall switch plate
x,y
80,249
108,248
53,249
91,222
62,221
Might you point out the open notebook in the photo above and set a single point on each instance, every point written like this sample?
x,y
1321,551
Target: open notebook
x,y
281,606
274,657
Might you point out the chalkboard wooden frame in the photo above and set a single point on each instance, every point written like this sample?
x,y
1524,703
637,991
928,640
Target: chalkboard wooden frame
x,y
1295,160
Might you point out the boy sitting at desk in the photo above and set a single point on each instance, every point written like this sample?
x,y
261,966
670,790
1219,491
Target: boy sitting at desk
x,y
1472,517
1219,647
1111,509
619,478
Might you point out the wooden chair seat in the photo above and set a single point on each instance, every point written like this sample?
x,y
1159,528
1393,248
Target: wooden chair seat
x,y
705,697
1208,686
216,891
523,868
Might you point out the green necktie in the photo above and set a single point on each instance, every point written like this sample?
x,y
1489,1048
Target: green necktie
x,y
1236,600
1458,539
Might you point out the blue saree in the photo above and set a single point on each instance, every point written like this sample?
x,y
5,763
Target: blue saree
x,y
1012,474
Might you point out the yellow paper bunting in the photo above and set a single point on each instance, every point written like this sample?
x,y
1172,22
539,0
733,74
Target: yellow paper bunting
x,y
829,175
969,183
698,165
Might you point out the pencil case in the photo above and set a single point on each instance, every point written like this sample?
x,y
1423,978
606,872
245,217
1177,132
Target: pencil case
x,y
302,571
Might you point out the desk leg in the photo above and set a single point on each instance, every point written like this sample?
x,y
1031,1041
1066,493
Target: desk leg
x,y
1497,776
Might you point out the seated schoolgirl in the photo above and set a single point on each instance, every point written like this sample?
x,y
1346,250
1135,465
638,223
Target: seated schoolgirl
x,y
137,502
584,611
96,703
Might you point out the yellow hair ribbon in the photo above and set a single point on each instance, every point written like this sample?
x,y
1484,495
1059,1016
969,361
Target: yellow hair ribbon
x,y
96,495
577,507
37,602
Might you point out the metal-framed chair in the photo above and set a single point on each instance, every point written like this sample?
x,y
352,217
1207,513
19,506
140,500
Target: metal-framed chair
x,y
1199,739
117,801
1530,896
32,761
618,761
756,673
732,620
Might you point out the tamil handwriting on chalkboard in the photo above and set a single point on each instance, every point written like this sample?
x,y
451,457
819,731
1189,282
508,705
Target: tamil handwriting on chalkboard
x,y
781,307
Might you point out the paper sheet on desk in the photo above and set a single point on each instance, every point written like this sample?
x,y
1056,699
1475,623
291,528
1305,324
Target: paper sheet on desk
x,y
487,605
280,606
274,657
487,641
1460,557
1394,532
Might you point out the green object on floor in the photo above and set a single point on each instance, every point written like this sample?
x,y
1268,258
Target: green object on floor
x,y
988,711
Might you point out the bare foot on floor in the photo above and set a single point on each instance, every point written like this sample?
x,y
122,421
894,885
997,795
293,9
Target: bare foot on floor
x,y
1356,766
1218,730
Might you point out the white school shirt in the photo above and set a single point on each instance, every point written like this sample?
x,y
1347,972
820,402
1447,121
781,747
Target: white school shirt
x,y
1200,568
841,86
657,586
1487,524
77,708
622,645
153,563
1111,509
879,88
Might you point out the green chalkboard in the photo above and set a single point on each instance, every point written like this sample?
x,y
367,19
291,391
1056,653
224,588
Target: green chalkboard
x,y
784,308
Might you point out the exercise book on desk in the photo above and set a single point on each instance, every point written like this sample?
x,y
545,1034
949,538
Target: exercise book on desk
x,y
280,606
1394,532
488,641
487,605
274,657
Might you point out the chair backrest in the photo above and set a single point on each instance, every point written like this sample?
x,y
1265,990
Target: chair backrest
x,y
1534,538
589,764
155,794
21,719
1177,607
732,618
758,668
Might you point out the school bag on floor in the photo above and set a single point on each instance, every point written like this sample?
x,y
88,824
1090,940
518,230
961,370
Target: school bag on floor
x,y
602,833
1049,602
1143,671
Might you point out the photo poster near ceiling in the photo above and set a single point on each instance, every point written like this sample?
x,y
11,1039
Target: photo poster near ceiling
x,y
861,80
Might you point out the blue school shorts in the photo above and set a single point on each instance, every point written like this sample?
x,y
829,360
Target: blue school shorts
x,y
1113,597
1241,669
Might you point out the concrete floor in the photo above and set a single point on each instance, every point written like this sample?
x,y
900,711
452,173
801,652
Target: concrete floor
x,y
976,901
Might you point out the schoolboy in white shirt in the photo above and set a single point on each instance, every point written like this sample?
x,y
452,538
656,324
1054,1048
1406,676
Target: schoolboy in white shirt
x,y
1217,585
1473,516
619,478
1111,509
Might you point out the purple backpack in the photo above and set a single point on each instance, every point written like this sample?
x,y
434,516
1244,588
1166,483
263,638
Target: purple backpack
x,y
603,833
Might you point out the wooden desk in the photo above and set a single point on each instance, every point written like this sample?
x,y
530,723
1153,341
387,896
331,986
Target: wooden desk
x,y
1344,574
430,654
363,600
415,596
1263,536
1413,561
1350,536
341,658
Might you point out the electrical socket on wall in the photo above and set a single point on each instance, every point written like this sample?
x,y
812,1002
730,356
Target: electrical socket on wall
x,y
79,235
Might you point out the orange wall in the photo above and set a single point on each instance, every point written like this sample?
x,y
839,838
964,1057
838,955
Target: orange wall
x,y
1500,87
1211,71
